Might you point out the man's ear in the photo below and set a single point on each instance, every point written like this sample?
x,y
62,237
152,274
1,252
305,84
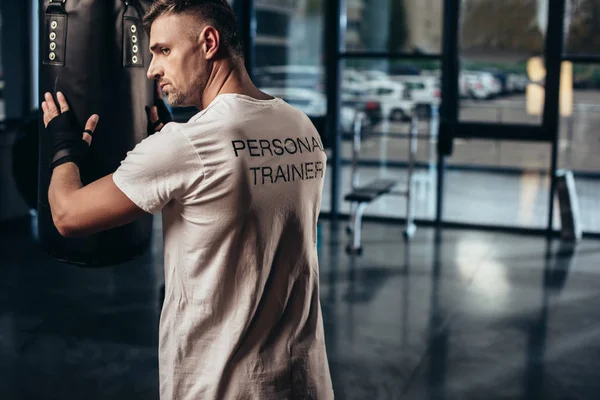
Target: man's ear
x,y
211,41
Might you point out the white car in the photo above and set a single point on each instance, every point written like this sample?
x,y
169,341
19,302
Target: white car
x,y
422,89
393,98
516,83
463,86
482,85
351,78
491,81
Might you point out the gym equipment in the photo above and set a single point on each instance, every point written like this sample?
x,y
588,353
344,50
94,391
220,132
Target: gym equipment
x,y
568,203
96,53
363,195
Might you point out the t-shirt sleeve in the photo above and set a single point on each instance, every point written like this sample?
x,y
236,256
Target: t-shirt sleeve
x,y
162,167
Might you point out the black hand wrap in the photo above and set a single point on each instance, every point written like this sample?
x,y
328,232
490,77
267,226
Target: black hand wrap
x,y
164,116
67,140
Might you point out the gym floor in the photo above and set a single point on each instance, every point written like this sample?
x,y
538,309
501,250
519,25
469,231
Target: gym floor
x,y
453,315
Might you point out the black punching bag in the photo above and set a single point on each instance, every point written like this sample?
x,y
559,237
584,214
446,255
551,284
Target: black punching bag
x,y
96,53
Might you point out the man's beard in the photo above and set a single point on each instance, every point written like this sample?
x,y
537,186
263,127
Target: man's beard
x,y
177,98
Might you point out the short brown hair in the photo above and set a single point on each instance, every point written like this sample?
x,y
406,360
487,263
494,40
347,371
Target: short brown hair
x,y
217,13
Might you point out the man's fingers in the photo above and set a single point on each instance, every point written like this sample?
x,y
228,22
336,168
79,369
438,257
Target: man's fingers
x,y
45,112
92,122
90,126
52,110
49,108
62,102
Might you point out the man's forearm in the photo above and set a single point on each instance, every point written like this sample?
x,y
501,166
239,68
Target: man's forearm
x,y
64,183
77,210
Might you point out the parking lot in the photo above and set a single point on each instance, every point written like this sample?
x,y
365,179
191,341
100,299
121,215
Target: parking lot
x,y
487,95
473,192
578,147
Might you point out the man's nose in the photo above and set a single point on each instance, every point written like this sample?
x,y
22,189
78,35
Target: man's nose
x,y
153,71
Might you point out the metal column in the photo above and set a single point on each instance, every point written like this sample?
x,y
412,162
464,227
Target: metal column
x,y
335,26
248,29
554,50
449,106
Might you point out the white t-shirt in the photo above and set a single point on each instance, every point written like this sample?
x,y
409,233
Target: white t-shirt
x,y
239,187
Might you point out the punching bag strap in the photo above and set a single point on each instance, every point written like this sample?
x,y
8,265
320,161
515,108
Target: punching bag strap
x,y
56,7
132,35
55,37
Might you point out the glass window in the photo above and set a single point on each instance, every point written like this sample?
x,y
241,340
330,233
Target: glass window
x,y
297,76
288,33
387,93
579,143
412,26
582,21
272,23
289,61
497,41
498,182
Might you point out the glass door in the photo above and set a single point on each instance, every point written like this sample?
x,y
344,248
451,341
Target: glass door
x,y
499,119
390,71
579,140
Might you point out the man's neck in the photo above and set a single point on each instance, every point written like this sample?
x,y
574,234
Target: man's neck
x,y
229,76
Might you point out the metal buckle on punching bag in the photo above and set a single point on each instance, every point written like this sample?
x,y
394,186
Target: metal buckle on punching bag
x,y
55,37
132,36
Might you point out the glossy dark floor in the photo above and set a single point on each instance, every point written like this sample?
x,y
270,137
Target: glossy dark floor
x,y
472,315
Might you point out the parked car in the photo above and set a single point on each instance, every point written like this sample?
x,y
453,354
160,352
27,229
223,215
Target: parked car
x,y
423,90
314,104
348,117
516,83
393,98
351,77
500,77
463,86
355,100
482,85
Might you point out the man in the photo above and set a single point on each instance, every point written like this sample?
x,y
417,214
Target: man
x,y
239,187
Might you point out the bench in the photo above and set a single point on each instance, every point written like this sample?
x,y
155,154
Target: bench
x,y
362,195
359,198
371,191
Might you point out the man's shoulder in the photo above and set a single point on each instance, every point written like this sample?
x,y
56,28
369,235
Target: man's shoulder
x,y
231,114
169,139
170,132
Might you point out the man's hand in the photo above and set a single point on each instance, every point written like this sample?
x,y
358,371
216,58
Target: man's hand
x,y
158,115
78,210
69,144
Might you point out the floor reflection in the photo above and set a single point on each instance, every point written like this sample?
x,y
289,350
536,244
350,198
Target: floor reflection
x,y
423,319
555,274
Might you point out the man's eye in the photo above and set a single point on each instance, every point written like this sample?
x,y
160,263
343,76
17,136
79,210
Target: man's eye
x,y
165,51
